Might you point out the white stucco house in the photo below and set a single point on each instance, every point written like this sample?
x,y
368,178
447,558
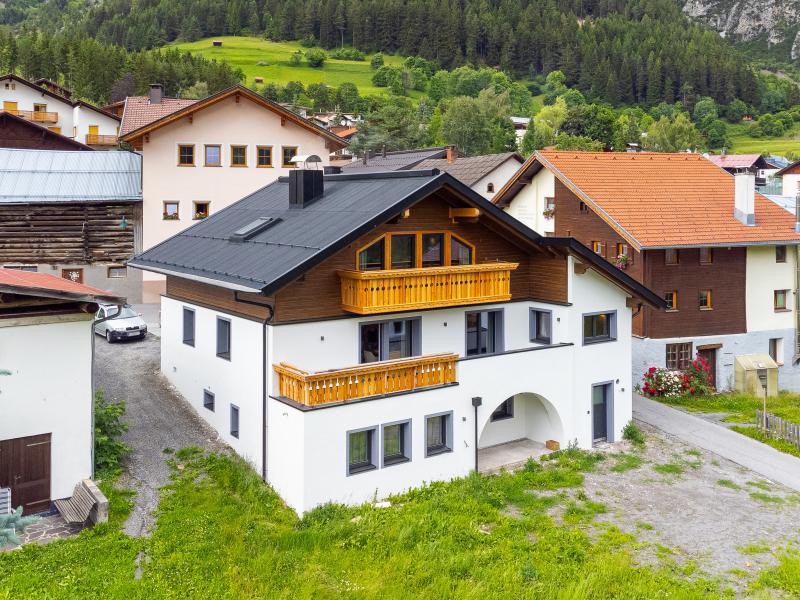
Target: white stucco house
x,y
51,106
199,156
46,431
356,335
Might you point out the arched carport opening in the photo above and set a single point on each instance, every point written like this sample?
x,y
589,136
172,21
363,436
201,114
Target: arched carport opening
x,y
516,429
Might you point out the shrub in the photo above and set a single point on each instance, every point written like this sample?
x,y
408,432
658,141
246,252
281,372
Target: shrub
x,y
109,450
347,54
695,380
377,61
698,379
296,58
316,57
633,434
309,41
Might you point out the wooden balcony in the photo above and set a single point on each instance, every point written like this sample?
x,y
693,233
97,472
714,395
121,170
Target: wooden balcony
x,y
369,292
371,379
38,116
93,139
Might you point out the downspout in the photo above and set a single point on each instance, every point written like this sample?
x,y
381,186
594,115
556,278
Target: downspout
x,y
796,357
476,402
95,323
264,395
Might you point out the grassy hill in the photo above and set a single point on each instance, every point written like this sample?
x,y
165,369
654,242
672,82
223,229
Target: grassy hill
x,y
743,143
271,60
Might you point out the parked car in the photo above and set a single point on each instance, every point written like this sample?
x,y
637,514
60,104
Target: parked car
x,y
128,324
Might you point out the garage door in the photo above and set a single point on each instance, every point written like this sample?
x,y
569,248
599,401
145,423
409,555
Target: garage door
x,y
25,468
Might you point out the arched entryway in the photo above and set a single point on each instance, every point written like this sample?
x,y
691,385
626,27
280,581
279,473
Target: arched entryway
x,y
516,429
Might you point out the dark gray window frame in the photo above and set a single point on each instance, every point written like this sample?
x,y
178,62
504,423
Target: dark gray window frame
x,y
506,414
227,354
448,441
612,328
373,451
533,320
416,336
406,444
209,404
189,341
235,410
499,333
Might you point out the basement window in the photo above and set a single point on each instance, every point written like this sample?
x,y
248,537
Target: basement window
x,y
208,400
117,272
361,450
438,434
396,443
234,420
776,350
679,356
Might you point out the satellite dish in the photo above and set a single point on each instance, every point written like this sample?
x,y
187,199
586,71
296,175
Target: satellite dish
x,y
306,160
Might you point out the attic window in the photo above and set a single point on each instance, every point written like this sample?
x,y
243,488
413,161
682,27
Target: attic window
x,y
415,250
252,229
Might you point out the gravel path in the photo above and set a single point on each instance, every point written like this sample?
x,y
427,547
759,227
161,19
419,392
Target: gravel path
x,y
703,508
157,419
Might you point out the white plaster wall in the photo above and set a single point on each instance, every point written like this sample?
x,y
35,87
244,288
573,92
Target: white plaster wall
x,y
763,277
791,185
528,204
84,116
49,390
192,369
498,177
225,123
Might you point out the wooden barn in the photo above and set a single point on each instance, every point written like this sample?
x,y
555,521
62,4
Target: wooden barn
x,y
73,214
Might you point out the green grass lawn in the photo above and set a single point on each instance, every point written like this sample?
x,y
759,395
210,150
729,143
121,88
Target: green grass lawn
x,y
221,533
247,52
743,143
741,408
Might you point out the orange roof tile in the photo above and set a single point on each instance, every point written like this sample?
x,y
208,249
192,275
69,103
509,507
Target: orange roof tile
x,y
666,200
31,281
139,112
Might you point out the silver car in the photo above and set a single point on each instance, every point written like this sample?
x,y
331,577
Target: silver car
x,y
128,324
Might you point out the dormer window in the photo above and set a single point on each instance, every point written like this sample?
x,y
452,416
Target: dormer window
x,y
415,250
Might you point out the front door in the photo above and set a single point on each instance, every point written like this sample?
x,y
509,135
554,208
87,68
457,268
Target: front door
x,y
25,468
600,413
710,354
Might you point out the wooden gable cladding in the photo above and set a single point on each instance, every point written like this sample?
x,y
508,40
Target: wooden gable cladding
x,y
67,233
217,297
541,275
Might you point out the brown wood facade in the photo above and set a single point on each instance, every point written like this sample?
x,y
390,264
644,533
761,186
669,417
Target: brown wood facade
x,y
725,276
15,132
68,233
317,295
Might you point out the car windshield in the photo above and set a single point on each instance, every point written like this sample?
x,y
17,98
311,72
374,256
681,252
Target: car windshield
x,y
126,313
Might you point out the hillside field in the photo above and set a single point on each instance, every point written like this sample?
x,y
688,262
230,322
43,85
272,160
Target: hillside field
x,y
743,143
247,52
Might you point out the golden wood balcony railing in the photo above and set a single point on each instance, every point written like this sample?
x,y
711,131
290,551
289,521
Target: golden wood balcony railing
x,y
369,292
93,139
372,379
38,116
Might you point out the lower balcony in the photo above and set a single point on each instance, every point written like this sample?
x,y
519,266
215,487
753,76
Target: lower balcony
x,y
363,381
369,292
93,139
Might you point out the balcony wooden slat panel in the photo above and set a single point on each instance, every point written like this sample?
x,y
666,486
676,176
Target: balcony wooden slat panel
x,y
369,292
93,139
38,116
372,379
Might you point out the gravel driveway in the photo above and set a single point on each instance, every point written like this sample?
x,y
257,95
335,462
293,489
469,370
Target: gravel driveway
x,y
157,419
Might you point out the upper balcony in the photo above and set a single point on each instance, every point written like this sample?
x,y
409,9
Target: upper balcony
x,y
93,139
370,292
363,381
37,116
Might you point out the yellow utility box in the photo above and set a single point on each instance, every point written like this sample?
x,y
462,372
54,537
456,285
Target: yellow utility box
x,y
756,374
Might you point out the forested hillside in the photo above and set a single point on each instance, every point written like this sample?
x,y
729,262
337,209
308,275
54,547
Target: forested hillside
x,y
623,51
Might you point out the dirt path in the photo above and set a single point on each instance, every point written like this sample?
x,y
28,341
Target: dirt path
x,y
158,419
688,504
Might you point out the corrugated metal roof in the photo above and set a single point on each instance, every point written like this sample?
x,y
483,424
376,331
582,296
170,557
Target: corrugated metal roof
x,y
28,176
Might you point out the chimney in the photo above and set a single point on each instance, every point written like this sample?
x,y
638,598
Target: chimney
x,y
305,186
156,93
451,154
745,197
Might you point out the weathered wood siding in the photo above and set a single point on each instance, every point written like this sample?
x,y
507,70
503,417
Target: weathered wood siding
x,y
67,233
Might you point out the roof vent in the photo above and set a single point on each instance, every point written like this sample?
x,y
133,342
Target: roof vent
x,y
252,229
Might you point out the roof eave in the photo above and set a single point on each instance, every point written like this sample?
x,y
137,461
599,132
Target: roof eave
x,y
148,266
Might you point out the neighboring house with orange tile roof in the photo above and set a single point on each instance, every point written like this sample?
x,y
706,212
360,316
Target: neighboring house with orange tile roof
x,y
45,106
200,156
722,255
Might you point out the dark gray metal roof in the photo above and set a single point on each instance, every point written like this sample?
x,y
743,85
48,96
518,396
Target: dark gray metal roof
x,y
394,161
33,176
350,204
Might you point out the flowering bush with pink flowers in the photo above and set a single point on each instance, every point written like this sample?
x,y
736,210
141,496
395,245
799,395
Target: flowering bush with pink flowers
x,y
695,380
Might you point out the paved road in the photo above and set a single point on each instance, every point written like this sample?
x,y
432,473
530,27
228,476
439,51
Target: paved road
x,y
157,418
765,460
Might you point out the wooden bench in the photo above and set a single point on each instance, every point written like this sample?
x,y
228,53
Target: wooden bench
x,y
87,502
